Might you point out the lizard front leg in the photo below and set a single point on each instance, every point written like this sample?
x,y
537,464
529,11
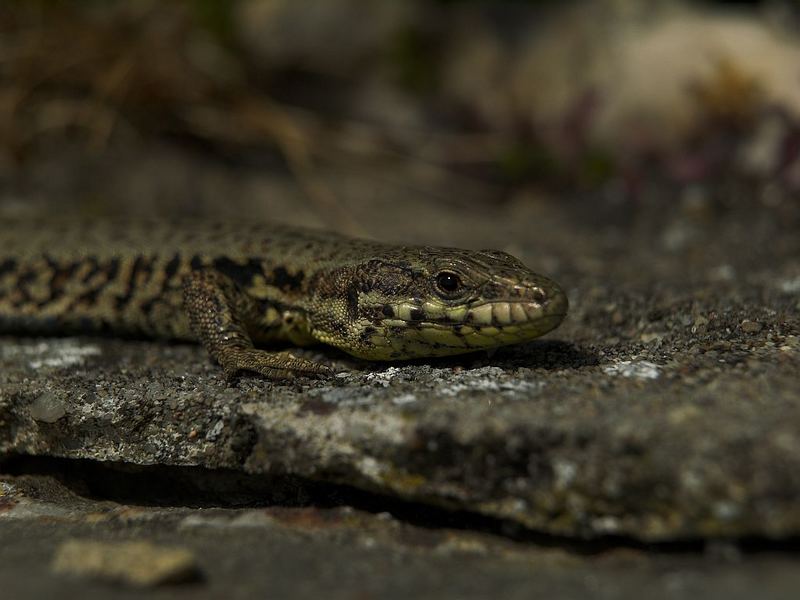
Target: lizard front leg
x,y
221,314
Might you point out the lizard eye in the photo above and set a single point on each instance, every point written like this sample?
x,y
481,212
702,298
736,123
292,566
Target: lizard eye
x,y
448,283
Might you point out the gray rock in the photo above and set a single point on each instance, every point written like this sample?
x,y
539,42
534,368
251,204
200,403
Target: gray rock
x,y
749,326
551,436
339,553
47,408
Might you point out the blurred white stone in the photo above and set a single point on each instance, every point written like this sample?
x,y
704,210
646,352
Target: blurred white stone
x,y
644,76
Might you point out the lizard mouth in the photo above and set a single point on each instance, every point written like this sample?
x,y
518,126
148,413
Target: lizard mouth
x,y
433,330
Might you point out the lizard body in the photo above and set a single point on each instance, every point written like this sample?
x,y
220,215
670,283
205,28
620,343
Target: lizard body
x,y
233,286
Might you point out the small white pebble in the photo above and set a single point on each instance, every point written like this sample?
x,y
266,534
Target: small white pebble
x,y
642,369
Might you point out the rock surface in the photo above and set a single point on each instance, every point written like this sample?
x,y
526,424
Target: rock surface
x,y
345,553
655,415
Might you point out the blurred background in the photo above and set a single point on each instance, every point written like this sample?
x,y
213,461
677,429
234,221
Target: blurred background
x,y
665,122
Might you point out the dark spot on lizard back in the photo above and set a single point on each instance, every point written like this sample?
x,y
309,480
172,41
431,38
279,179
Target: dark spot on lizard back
x,y
87,299
171,268
147,307
112,269
61,275
23,293
241,272
282,279
93,270
26,277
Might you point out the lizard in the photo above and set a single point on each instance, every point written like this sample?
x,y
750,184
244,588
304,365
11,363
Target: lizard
x,y
240,288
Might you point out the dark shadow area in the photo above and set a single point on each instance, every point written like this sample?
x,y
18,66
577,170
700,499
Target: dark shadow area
x,y
541,354
550,355
197,487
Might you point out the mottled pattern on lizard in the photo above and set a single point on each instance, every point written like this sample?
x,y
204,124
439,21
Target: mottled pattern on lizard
x,y
234,286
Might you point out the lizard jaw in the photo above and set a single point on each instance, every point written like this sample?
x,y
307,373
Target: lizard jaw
x,y
461,330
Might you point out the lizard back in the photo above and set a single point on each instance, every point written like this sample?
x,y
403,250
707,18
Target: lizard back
x,y
125,277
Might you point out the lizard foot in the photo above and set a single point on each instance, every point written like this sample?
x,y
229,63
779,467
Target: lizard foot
x,y
273,365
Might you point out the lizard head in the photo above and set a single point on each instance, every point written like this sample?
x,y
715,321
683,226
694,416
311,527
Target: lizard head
x,y
425,301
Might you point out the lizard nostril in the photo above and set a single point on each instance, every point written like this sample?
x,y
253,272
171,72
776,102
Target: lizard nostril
x,y
539,296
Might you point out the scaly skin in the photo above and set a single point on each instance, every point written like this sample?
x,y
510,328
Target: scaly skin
x,y
235,285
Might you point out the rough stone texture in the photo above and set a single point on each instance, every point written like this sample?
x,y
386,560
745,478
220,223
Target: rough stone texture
x,y
552,436
666,407
345,553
